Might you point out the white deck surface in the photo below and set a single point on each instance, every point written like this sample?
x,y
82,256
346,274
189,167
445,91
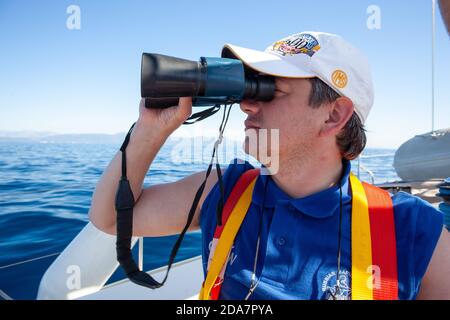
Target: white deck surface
x,y
184,282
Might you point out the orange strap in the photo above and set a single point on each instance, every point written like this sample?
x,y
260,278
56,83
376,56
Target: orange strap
x,y
244,180
233,214
374,253
384,250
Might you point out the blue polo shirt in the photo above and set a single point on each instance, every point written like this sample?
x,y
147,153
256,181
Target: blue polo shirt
x,y
299,240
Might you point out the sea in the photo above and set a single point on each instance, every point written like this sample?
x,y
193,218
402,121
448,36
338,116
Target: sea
x,y
46,189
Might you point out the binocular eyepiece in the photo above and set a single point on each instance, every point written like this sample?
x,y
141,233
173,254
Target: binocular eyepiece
x,y
210,81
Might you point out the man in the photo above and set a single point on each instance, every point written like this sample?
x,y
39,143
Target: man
x,y
298,224
445,12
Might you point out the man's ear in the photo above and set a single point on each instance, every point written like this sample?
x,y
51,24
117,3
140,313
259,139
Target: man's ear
x,y
339,112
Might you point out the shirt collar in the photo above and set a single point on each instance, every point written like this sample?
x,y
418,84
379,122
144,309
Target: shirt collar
x,y
321,204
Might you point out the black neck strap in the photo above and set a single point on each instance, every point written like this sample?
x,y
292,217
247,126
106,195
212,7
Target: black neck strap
x,y
125,203
199,116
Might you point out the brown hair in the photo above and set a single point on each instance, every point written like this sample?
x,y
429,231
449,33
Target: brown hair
x,y
352,139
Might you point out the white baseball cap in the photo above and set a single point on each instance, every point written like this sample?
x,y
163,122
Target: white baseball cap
x,y
315,54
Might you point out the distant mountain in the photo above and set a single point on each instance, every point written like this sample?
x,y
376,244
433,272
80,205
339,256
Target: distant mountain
x,y
25,134
84,138
50,137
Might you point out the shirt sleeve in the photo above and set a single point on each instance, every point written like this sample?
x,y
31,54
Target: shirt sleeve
x,y
418,227
429,226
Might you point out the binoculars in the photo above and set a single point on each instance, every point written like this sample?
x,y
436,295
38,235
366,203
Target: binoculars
x,y
209,81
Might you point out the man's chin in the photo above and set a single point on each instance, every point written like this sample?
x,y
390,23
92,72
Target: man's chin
x,y
270,160
250,150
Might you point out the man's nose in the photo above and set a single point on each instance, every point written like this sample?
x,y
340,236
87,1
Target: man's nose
x,y
250,106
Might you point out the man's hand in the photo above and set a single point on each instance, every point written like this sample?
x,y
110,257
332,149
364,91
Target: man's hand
x,y
165,120
160,209
445,13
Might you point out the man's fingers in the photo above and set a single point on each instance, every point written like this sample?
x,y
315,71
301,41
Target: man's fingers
x,y
185,105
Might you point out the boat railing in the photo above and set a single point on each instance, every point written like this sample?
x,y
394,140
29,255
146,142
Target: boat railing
x,y
141,253
363,168
3,294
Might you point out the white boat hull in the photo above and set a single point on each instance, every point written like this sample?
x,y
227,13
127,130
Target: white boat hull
x,y
424,157
83,268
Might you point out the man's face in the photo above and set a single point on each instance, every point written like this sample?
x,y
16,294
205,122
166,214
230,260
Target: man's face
x,y
289,111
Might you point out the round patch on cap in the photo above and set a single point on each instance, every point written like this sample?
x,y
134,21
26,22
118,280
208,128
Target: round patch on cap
x,y
339,78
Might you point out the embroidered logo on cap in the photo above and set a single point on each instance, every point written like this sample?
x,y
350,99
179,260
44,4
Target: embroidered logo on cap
x,y
339,78
298,43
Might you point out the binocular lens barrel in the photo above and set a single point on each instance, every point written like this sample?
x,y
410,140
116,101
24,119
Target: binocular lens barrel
x,y
164,76
209,81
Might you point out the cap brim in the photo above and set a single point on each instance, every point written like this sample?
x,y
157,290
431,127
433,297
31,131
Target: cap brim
x,y
265,62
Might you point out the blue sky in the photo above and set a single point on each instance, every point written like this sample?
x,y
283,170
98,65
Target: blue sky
x,y
87,81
